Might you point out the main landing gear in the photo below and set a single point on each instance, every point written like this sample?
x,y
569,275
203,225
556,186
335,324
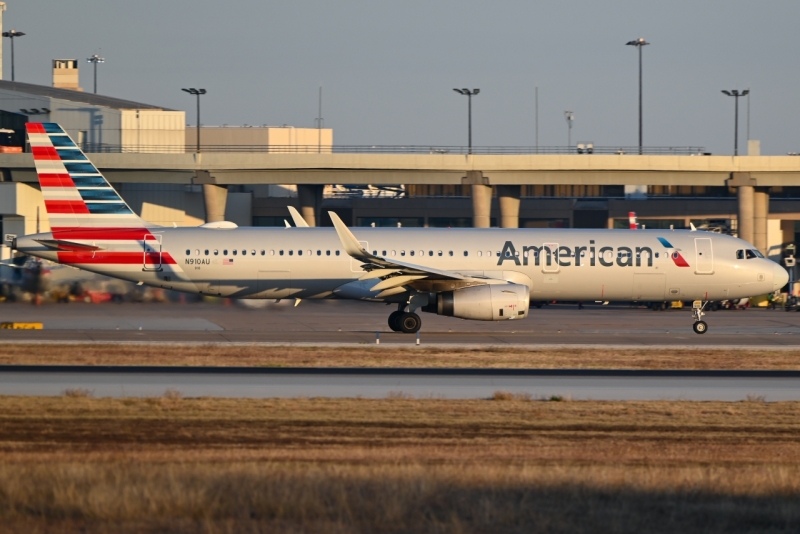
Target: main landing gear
x,y
700,326
402,321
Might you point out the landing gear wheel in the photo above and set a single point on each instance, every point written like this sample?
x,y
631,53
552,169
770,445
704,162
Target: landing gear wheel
x,y
394,320
409,323
700,327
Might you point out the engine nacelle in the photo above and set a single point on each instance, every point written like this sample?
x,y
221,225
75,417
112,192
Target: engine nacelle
x,y
495,302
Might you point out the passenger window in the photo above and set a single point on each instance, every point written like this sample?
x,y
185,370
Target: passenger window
x,y
235,252
480,253
216,252
280,253
657,253
430,253
384,253
244,253
327,252
451,252
488,252
319,253
440,253
308,252
291,253
402,252
225,252
412,253
206,252
466,253
421,252
393,253
299,252
272,252
188,252
253,252
337,252
263,252
374,252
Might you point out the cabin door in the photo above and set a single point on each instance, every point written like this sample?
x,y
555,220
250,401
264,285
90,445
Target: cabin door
x,y
151,260
704,256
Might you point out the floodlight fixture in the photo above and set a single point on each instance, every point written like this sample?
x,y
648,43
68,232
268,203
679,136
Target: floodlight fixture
x,y
639,43
95,59
469,94
11,34
735,93
197,93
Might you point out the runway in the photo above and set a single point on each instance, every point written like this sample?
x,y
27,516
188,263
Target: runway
x,y
358,322
238,382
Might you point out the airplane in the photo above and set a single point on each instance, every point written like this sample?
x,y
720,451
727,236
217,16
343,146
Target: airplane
x,y
489,274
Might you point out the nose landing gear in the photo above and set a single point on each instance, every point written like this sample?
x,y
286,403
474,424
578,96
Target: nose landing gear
x,y
699,326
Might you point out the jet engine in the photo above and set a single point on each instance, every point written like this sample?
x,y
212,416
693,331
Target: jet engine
x,y
495,302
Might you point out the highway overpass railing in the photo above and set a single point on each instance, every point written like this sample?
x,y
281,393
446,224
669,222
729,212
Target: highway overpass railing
x,y
397,149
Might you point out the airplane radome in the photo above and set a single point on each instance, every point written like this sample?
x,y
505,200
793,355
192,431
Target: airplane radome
x,y
480,274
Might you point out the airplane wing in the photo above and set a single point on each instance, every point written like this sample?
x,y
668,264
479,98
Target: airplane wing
x,y
393,273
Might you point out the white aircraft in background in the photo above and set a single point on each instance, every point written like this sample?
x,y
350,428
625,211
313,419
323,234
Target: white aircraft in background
x,y
480,274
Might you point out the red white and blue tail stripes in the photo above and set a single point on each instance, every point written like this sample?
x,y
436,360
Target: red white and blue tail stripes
x,y
75,194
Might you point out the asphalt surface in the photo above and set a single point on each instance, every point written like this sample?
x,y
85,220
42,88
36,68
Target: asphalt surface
x,y
112,381
358,322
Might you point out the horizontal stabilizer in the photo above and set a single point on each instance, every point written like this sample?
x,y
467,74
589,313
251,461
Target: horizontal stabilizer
x,y
60,244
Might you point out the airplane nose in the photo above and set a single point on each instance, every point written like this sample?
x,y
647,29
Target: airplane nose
x,y
779,277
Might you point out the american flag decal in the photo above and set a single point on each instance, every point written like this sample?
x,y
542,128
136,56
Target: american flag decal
x,y
227,261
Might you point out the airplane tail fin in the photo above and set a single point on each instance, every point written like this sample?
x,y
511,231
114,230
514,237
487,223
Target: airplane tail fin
x,y
632,224
75,194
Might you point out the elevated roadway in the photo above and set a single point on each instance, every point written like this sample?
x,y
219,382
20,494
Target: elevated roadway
x,y
229,168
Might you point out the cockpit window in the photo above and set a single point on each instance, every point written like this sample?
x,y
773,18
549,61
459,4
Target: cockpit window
x,y
748,254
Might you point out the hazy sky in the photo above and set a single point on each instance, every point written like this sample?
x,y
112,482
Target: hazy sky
x,y
388,68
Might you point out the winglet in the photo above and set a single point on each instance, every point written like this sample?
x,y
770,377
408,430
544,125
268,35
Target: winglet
x,y
691,225
298,219
349,241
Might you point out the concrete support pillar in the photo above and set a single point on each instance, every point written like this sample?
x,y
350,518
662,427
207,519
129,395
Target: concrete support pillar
x,y
760,215
215,198
310,200
745,216
509,205
481,205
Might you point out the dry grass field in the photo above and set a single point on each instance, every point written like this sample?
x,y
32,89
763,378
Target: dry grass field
x,y
508,464
384,356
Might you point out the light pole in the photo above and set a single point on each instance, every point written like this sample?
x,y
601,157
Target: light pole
x,y
469,95
197,92
95,59
569,116
736,94
639,43
11,35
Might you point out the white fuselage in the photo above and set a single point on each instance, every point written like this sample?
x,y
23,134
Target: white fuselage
x,y
556,264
